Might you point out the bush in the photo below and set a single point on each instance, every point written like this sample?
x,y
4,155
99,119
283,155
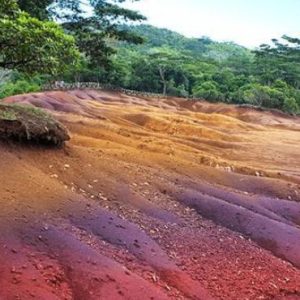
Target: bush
x,y
20,86
266,96
290,106
258,95
208,91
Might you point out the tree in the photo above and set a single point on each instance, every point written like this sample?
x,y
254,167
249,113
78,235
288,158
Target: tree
x,y
52,9
167,61
30,45
8,9
279,61
144,75
91,30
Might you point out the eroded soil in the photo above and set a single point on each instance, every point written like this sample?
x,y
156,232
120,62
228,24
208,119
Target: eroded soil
x,y
152,199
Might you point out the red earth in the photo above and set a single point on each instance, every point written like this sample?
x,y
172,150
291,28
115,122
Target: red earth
x,y
152,199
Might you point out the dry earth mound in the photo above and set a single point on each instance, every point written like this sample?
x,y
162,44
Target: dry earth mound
x,y
27,123
152,199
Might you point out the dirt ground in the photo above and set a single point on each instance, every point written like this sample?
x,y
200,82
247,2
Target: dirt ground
x,y
152,199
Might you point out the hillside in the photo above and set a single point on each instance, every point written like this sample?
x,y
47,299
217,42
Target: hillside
x,y
153,199
172,64
202,47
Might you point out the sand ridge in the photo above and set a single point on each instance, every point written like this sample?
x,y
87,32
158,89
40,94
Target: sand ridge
x,y
153,199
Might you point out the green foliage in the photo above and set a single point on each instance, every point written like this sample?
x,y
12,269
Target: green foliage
x,y
259,95
201,68
112,52
279,61
20,85
37,9
30,45
209,91
157,37
171,63
8,9
279,96
290,106
90,31
200,48
50,9
30,42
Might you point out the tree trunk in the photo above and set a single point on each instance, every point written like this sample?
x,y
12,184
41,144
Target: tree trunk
x,y
165,88
163,80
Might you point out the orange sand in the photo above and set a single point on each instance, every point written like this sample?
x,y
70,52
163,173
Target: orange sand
x,y
152,199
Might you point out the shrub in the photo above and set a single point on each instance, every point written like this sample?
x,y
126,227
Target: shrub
x,y
21,86
290,106
208,91
265,96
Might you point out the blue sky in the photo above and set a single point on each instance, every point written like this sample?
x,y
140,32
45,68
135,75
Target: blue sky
x,y
247,22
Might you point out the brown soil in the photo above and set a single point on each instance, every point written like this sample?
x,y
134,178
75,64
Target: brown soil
x,y
152,199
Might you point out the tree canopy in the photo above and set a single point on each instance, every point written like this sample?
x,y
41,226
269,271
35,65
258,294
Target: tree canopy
x,y
217,71
90,27
30,45
31,41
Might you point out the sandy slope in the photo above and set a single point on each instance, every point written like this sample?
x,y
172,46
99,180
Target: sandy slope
x,y
152,199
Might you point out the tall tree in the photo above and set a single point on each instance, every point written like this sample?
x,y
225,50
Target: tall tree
x,y
166,61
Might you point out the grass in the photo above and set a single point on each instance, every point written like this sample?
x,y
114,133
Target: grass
x,y
15,111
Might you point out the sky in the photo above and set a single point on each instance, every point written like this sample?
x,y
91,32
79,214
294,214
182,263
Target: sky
x,y
246,22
